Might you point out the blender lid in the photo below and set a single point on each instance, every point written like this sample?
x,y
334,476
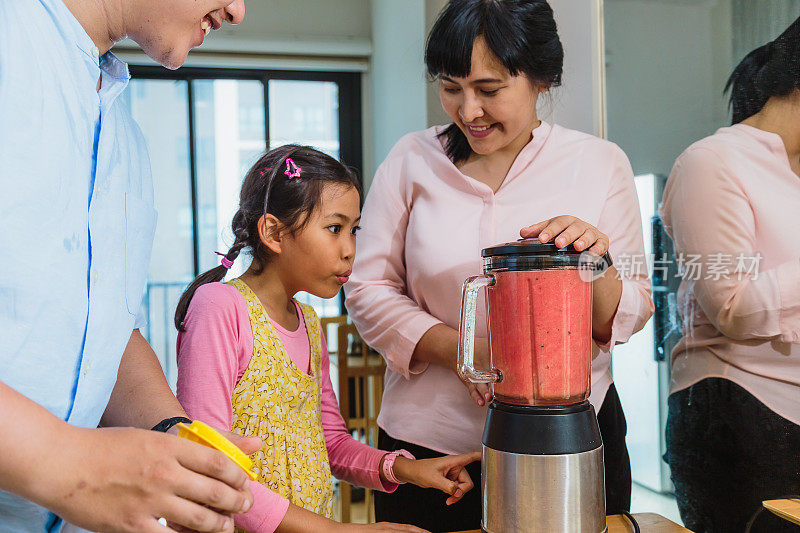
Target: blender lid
x,y
531,254
529,247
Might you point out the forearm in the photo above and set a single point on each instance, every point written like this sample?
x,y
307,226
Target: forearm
x,y
299,520
141,397
438,346
607,290
29,437
763,306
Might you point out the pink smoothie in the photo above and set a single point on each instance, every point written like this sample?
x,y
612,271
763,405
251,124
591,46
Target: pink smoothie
x,y
540,334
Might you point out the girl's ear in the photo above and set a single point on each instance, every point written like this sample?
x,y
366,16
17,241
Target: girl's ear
x,y
269,231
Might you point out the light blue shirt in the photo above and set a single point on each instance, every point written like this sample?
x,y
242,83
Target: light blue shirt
x,y
76,222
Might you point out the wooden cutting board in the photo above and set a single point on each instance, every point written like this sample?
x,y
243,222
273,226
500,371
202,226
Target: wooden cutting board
x,y
787,509
648,523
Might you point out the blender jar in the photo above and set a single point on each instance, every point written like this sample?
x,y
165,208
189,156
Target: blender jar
x,y
539,300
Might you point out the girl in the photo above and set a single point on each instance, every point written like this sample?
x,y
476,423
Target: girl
x,y
445,193
252,359
733,424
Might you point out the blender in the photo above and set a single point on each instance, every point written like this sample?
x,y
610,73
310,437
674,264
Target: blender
x,y
542,466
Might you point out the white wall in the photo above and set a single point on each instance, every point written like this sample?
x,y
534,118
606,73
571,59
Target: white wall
x,y
580,102
319,27
755,23
667,63
436,114
397,74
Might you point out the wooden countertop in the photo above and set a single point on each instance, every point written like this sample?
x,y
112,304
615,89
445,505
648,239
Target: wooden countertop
x,y
648,523
786,509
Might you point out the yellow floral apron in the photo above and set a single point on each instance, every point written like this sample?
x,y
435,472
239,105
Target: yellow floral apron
x,y
279,403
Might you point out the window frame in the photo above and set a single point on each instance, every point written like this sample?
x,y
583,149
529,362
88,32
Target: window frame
x,y
349,118
349,115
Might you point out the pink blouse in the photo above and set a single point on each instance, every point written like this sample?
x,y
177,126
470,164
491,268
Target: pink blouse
x,y
424,225
731,198
213,355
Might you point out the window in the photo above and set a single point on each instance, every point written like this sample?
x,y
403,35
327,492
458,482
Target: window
x,y
204,128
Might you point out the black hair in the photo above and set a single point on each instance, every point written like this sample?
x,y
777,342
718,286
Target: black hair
x,y
267,189
770,70
522,34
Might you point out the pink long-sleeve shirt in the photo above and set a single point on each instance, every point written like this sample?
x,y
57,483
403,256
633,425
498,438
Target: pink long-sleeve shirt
x,y
424,226
213,354
734,194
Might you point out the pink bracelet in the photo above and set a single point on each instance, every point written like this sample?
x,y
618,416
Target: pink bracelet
x,y
388,465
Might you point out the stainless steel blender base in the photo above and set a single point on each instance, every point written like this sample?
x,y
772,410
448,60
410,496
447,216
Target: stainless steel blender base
x,y
543,493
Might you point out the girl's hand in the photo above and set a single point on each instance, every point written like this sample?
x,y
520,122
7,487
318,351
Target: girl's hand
x,y
566,230
444,473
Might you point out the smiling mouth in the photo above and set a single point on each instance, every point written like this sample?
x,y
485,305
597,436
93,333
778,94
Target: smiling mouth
x,y
482,130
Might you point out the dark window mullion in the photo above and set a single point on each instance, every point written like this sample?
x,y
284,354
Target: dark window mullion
x,y
350,150
193,181
350,130
265,83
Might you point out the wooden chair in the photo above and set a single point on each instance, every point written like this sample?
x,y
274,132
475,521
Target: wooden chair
x,y
361,372
328,321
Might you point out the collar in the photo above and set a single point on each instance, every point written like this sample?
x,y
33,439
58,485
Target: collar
x,y
771,141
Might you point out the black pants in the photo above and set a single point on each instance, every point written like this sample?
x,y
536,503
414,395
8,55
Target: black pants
x,y
728,452
425,508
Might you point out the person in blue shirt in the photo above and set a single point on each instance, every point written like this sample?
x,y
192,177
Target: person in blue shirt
x,y
76,230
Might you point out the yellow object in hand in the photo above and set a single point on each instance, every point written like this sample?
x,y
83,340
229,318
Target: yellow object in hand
x,y
207,436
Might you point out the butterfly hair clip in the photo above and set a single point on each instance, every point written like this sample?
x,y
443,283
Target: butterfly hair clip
x,y
292,170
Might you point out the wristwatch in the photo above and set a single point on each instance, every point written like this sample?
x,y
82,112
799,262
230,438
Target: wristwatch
x,y
166,424
388,464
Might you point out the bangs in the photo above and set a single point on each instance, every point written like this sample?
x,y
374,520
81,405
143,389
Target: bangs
x,y
449,48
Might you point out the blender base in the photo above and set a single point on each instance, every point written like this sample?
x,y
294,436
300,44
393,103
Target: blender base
x,y
483,530
486,531
542,470
543,493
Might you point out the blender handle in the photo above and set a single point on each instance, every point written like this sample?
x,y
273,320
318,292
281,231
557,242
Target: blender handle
x,y
466,332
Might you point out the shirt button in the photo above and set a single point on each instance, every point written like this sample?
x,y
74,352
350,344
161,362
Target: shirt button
x,y
95,51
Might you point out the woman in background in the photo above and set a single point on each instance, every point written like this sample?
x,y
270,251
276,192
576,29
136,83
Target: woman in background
x,y
733,429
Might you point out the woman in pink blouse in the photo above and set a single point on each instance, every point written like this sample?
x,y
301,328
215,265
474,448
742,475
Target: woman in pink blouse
x,y
731,205
445,193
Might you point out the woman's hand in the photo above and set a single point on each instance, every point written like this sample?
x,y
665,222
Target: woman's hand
x,y
565,230
444,473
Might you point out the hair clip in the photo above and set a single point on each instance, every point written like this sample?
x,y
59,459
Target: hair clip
x,y
264,171
292,170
